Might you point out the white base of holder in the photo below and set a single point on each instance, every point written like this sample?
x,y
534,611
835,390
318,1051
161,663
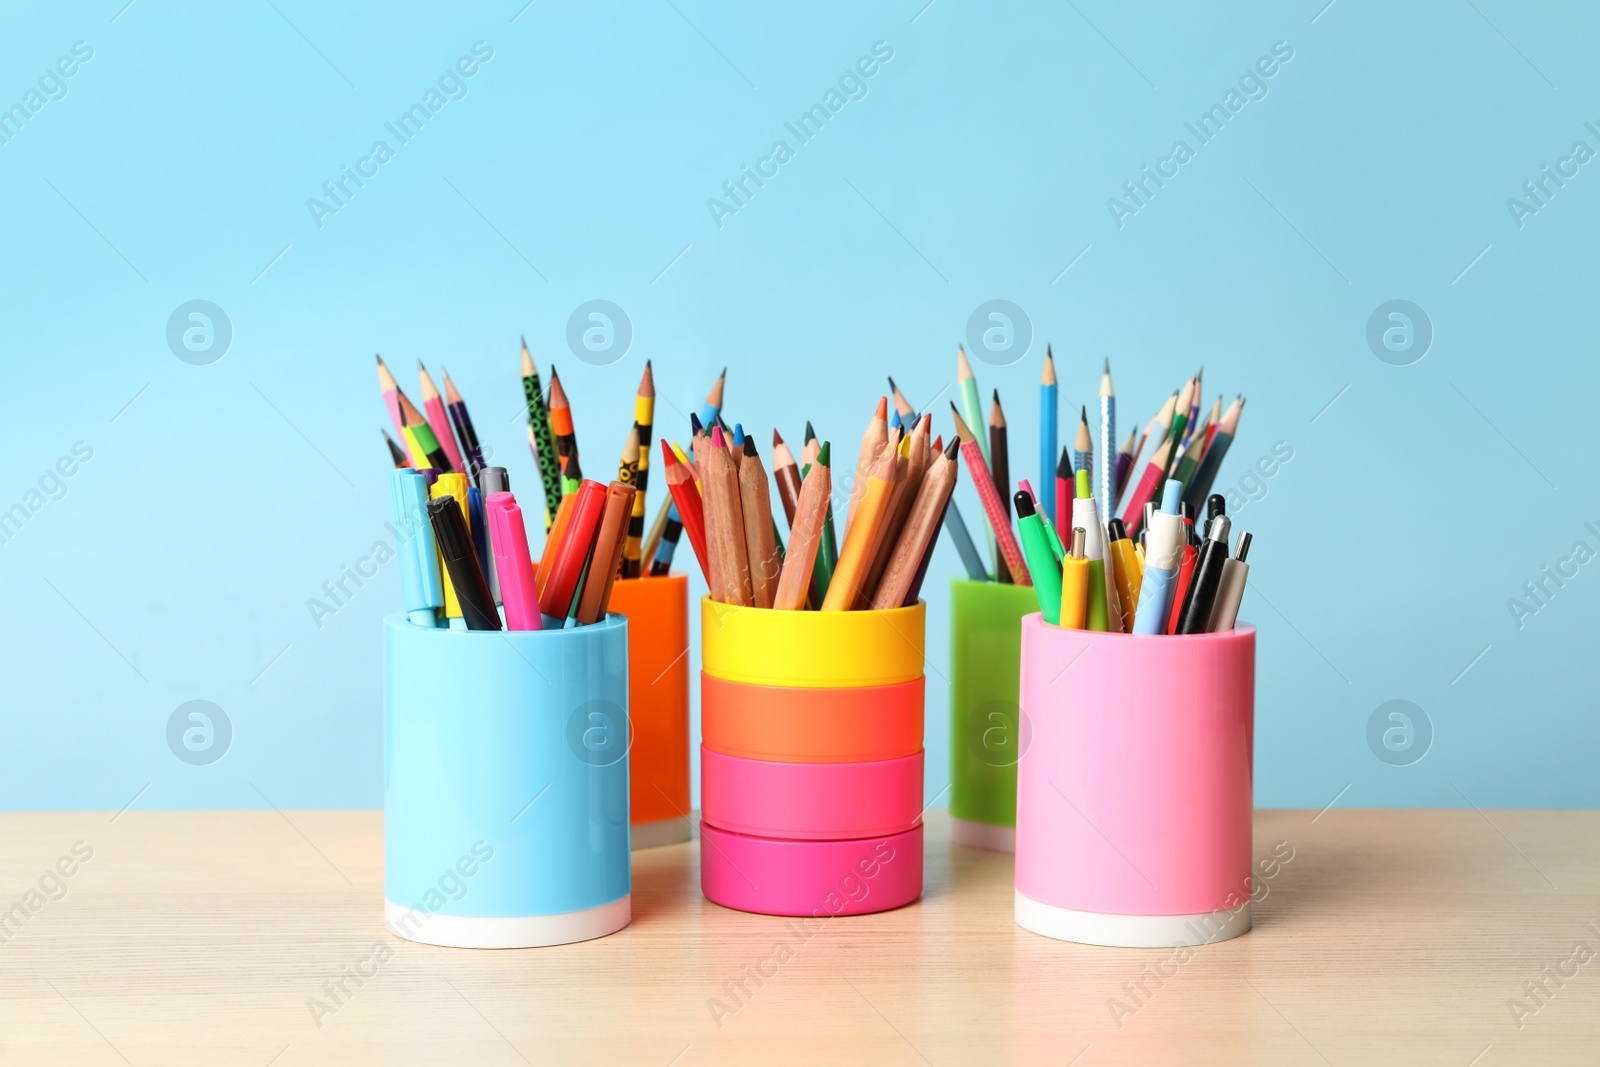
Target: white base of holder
x,y
661,832
1131,931
983,835
526,931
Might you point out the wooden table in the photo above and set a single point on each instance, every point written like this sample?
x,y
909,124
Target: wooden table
x,y
201,937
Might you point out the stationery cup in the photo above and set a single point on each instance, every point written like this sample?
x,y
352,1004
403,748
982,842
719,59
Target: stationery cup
x,y
505,784
1134,787
985,727
812,760
657,609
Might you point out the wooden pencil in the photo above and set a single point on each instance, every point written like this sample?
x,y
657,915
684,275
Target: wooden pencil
x,y
999,519
871,444
905,495
438,418
805,536
725,543
755,503
391,396
902,407
1000,467
466,434
921,527
787,474
808,451
688,507
845,588
1083,445
396,453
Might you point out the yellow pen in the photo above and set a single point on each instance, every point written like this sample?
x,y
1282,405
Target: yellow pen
x,y
1075,584
452,485
1127,570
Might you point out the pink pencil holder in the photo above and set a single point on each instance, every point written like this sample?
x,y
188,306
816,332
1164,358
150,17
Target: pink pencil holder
x,y
1135,786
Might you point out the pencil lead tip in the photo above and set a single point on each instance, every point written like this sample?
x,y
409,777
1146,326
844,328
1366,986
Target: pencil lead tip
x,y
822,454
811,435
716,437
892,387
1108,365
883,409
524,339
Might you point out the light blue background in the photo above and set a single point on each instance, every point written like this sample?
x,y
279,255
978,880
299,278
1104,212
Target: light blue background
x,y
179,563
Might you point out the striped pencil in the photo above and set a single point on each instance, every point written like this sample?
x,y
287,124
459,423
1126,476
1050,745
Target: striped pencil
x,y
561,428
1010,551
644,413
1107,470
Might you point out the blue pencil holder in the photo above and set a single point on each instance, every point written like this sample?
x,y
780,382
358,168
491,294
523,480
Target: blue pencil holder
x,y
505,775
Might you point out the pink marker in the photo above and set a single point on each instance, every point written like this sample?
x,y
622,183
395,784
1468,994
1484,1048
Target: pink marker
x,y
509,542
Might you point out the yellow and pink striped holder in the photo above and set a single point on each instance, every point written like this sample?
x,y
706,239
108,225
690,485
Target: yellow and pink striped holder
x,y
812,760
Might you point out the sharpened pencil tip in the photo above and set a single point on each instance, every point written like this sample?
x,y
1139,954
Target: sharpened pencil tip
x,y
822,454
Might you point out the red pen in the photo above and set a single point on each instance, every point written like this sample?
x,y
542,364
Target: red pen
x,y
572,553
1180,587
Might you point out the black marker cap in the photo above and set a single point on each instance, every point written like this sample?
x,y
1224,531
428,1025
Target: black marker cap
x,y
1024,504
1116,531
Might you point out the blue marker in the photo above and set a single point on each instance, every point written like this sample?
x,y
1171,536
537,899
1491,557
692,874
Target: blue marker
x,y
1163,554
419,557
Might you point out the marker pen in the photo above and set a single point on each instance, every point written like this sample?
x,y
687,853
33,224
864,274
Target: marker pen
x,y
1086,516
424,593
510,540
1075,584
1207,577
1041,561
1057,549
1230,590
455,548
1163,556
492,480
1126,570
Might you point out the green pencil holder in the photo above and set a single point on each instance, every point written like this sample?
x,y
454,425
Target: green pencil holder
x,y
986,729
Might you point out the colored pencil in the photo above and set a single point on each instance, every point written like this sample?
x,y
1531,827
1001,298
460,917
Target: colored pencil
x,y
1064,487
391,396
999,459
688,506
971,409
466,436
396,453
755,504
438,418
1048,418
544,446
561,428
805,536
862,529
871,444
1124,465
1206,474
725,542
921,526
977,570
787,474
1145,491
1107,471
1083,445
999,521
424,447
644,413
908,484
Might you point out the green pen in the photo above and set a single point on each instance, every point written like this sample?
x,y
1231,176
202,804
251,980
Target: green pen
x,y
1083,513
1042,566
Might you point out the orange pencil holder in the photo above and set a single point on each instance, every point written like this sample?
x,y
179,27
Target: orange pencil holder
x,y
658,706
811,761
